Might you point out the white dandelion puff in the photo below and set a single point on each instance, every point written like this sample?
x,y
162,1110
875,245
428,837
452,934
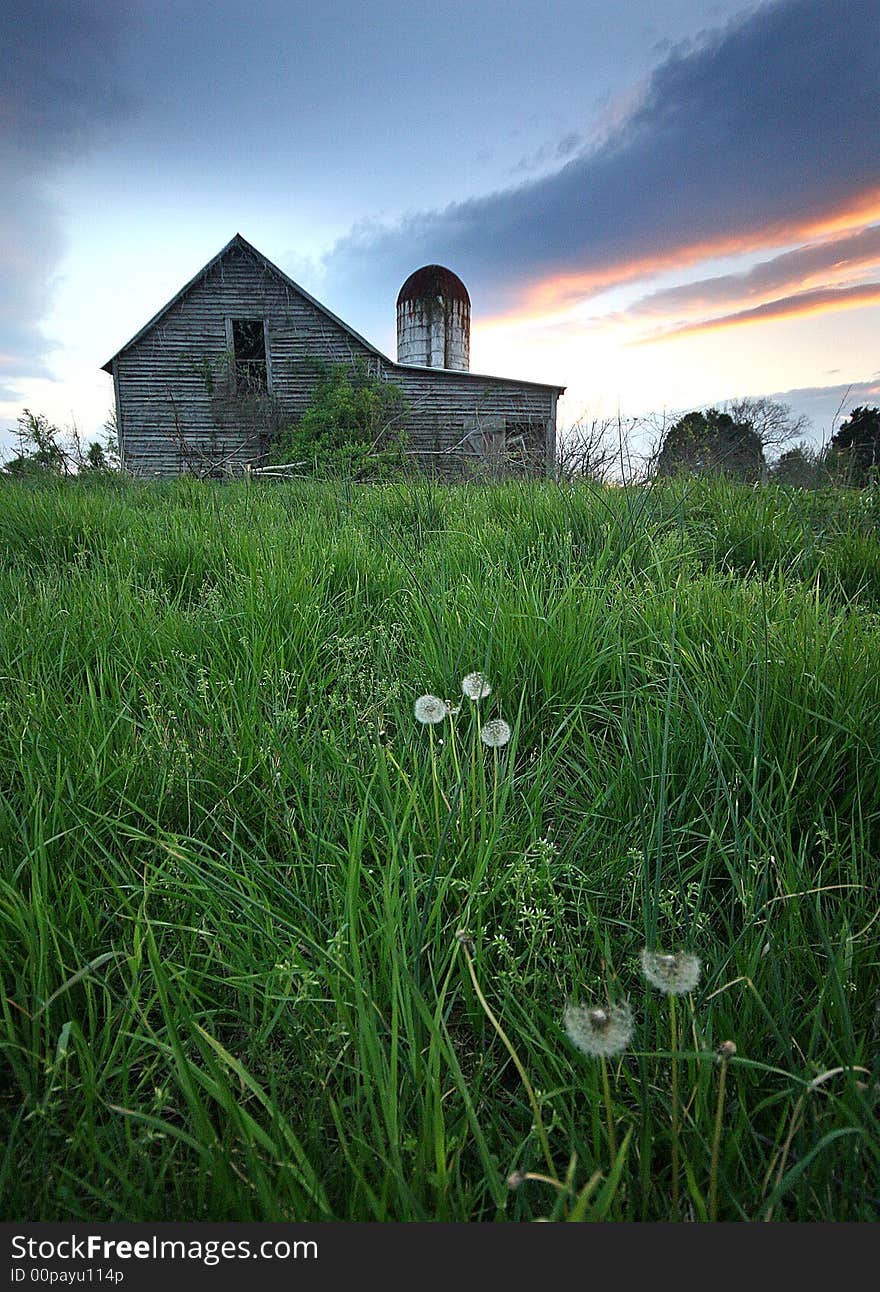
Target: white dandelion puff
x,y
475,687
599,1032
495,733
675,974
430,709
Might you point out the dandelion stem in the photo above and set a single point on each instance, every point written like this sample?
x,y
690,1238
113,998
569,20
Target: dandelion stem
x,y
612,1138
465,943
454,749
716,1141
479,751
435,782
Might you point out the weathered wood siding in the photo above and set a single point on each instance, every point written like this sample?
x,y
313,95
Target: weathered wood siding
x,y
454,417
178,411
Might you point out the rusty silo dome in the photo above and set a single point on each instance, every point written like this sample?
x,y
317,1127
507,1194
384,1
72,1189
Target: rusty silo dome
x,y
434,320
431,281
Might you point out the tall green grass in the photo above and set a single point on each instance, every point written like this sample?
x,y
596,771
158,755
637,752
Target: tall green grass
x,y
234,867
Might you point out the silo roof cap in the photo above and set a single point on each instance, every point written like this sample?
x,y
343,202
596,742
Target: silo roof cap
x,y
431,281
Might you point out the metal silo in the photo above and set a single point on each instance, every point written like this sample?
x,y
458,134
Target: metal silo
x,y
434,320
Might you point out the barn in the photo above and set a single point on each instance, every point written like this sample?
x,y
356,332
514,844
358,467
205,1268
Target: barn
x,y
235,356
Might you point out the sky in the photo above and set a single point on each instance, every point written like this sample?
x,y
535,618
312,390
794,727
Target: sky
x,y
661,204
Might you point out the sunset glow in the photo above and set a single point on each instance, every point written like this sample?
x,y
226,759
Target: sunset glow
x,y
826,301
561,291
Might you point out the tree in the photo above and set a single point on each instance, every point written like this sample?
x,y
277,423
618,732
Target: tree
x,y
775,424
802,467
95,458
351,426
39,448
45,450
854,452
711,442
110,444
100,456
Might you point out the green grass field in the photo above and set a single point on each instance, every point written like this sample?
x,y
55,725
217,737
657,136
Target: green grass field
x,y
234,866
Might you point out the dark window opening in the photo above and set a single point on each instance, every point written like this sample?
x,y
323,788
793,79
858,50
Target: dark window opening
x,y
249,351
525,440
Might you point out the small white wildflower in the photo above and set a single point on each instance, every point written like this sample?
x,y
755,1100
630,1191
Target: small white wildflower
x,y
452,709
475,687
430,709
676,975
495,733
599,1032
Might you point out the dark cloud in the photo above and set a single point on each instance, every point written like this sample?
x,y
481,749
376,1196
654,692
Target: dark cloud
x,y
551,153
765,128
58,97
828,406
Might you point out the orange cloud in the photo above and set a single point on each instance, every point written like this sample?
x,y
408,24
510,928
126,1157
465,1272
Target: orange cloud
x,y
564,290
833,262
823,301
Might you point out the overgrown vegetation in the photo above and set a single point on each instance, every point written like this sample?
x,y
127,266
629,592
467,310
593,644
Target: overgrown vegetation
x,y
45,450
272,949
738,444
855,448
351,428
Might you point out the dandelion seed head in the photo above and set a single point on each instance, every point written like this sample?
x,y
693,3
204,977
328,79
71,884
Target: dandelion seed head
x,y
430,709
495,733
676,975
599,1032
475,687
727,1049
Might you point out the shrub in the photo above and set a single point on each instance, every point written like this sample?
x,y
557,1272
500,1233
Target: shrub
x,y
351,427
801,467
711,442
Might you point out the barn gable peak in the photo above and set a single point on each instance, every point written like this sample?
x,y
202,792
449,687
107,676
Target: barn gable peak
x,y
239,243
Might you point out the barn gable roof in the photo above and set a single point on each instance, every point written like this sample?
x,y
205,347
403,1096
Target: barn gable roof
x,y
241,244
238,243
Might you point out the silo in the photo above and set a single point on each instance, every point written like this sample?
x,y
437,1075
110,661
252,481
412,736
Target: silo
x,y
434,320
